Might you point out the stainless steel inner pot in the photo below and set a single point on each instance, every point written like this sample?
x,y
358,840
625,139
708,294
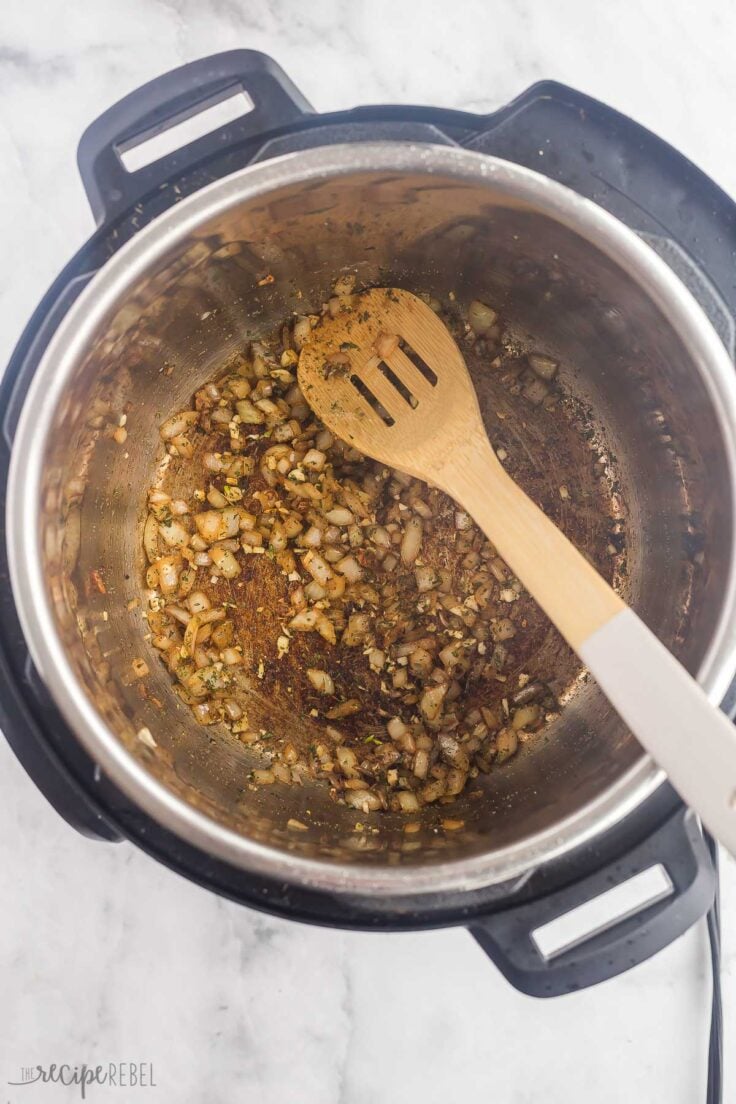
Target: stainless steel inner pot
x,y
183,294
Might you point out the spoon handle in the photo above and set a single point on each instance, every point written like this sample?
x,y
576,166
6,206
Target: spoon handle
x,y
669,713
661,703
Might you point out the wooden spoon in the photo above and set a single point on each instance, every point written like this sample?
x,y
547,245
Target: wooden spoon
x,y
427,423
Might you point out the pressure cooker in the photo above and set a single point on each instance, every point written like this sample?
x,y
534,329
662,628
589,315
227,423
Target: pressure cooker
x,y
593,235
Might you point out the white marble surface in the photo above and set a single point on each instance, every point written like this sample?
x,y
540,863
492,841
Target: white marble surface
x,y
103,954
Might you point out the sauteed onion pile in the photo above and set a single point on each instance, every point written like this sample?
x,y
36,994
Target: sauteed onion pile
x,y
396,620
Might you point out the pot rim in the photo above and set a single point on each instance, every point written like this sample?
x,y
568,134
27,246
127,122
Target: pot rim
x,y
67,346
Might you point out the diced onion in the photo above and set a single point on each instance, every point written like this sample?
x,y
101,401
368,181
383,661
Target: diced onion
x,y
421,764
174,534
214,525
545,367
426,578
150,538
376,659
386,344
232,657
313,537
350,568
320,680
168,568
249,413
339,516
336,587
356,630
431,701
198,602
174,427
225,562
190,636
305,620
216,498
314,591
345,709
317,567
314,460
365,800
396,728
326,629
301,332
481,317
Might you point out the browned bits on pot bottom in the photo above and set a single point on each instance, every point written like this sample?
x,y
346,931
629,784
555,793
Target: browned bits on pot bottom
x,y
283,561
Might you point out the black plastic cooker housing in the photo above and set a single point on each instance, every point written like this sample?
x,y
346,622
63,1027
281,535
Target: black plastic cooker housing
x,y
555,131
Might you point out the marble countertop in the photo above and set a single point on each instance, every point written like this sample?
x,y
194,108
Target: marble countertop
x,y
106,956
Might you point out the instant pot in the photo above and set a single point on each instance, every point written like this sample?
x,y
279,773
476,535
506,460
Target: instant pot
x,y
173,275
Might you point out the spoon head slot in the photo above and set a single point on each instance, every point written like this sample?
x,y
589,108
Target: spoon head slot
x,y
386,375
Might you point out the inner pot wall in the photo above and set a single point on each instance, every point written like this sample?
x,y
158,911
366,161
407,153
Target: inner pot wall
x,y
200,301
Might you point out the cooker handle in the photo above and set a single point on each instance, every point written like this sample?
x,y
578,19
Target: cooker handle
x,y
507,936
170,99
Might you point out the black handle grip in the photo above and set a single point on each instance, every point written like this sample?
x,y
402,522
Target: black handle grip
x,y
62,791
506,936
170,99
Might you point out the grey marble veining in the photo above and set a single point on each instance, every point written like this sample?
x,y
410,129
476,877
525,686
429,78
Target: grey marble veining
x,y
106,956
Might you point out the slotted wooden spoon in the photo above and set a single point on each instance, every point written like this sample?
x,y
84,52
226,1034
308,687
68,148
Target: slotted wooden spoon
x,y
428,424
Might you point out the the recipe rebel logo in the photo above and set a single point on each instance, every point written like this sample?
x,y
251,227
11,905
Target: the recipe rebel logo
x,y
117,1075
